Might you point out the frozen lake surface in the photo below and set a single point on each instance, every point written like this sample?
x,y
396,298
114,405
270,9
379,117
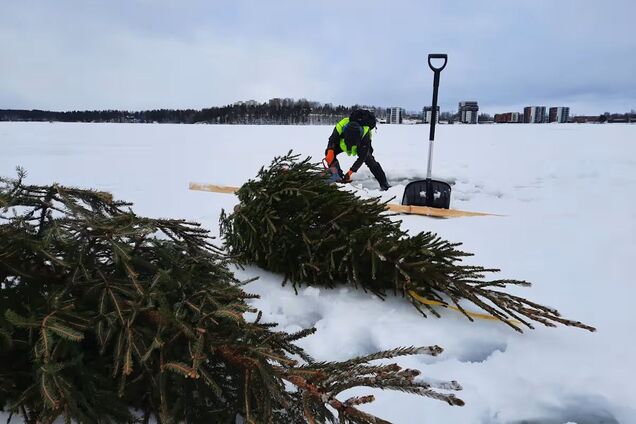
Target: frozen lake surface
x,y
568,196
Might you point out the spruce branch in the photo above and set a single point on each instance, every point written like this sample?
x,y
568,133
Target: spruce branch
x,y
103,312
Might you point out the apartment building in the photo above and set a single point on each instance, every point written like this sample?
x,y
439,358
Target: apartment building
x,y
468,112
534,114
396,114
559,114
427,113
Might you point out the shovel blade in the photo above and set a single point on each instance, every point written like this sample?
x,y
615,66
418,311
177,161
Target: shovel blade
x,y
432,193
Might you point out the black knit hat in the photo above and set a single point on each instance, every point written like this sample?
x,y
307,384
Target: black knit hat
x,y
352,133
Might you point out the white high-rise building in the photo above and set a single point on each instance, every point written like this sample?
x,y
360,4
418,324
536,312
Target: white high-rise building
x,y
534,114
468,112
395,115
427,113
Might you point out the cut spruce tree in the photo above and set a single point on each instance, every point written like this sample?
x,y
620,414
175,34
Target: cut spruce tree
x,y
109,317
291,221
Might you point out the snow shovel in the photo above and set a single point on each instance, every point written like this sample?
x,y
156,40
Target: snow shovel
x,y
430,192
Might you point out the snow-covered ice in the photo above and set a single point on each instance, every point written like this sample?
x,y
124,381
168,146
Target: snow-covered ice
x,y
567,193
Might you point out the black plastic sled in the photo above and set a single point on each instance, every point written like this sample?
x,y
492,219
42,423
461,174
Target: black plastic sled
x,y
432,193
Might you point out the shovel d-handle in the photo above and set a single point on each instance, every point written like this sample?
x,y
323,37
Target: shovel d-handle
x,y
437,56
436,72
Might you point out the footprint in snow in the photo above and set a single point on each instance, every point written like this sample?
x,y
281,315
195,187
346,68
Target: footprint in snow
x,y
480,350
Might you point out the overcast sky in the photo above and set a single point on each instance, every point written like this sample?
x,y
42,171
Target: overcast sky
x,y
66,55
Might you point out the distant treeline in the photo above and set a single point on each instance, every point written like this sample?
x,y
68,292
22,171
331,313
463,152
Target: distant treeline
x,y
610,118
275,111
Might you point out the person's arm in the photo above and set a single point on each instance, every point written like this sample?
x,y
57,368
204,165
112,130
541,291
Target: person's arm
x,y
330,153
363,151
330,156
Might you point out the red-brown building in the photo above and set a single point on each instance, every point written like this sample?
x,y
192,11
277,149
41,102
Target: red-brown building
x,y
510,117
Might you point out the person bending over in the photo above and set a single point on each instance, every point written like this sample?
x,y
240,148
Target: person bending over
x,y
354,139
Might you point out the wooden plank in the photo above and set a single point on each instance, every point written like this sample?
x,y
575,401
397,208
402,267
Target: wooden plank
x,y
213,188
428,211
393,207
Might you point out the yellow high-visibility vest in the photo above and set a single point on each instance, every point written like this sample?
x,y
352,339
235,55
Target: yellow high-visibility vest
x,y
340,126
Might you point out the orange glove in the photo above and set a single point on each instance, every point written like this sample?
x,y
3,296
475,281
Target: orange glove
x,y
330,156
347,177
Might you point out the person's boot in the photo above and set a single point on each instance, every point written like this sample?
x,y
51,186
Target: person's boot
x,y
379,175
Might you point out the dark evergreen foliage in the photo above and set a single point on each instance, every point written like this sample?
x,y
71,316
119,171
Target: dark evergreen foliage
x,y
108,317
292,222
